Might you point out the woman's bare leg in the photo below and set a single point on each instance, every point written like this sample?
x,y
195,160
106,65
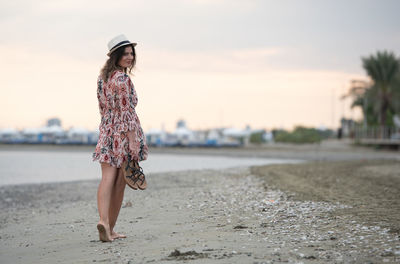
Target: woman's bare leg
x,y
117,197
104,194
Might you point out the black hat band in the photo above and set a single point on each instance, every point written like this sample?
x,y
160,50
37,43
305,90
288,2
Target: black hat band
x,y
122,42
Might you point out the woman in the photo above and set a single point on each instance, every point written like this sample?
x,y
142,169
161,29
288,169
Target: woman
x,y
120,132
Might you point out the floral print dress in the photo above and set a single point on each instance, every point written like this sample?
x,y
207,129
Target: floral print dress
x,y
117,101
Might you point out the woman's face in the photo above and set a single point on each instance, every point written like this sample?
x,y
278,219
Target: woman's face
x,y
127,58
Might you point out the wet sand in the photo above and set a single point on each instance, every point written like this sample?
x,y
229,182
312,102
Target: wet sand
x,y
370,188
318,212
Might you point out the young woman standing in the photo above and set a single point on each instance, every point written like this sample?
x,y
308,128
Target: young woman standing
x,y
120,132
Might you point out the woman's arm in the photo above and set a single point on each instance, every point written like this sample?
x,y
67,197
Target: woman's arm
x,y
127,115
128,119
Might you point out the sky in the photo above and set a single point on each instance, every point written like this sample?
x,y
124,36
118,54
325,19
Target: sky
x,y
220,63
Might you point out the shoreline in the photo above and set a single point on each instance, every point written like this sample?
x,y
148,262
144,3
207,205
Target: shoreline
x,y
309,181
320,211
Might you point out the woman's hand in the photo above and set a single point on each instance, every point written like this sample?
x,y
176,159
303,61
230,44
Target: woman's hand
x,y
131,147
131,139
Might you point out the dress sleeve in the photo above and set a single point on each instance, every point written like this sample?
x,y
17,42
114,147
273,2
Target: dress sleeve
x,y
125,104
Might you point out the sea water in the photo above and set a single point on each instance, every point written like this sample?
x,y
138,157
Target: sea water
x,y
19,167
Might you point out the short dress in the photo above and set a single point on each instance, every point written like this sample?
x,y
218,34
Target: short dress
x,y
117,101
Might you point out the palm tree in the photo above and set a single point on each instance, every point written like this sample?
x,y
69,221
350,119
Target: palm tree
x,y
383,69
363,95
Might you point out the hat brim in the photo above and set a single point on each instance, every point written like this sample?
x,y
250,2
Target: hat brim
x,y
125,44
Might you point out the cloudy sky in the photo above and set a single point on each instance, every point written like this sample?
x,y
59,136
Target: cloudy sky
x,y
213,63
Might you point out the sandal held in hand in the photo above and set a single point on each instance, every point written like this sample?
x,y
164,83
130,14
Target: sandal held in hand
x,y
133,174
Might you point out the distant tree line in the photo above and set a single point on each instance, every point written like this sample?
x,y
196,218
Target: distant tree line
x,y
302,134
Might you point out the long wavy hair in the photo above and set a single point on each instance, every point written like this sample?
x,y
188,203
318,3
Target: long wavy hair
x,y
111,64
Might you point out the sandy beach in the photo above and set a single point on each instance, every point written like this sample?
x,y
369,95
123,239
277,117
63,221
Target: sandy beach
x,y
341,206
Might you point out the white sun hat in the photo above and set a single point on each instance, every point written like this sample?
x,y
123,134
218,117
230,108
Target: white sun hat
x,y
117,42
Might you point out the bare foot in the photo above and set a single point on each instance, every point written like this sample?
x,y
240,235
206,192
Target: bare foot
x,y
104,232
115,235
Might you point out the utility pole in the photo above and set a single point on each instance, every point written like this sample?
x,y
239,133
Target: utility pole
x,y
333,109
365,104
343,98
